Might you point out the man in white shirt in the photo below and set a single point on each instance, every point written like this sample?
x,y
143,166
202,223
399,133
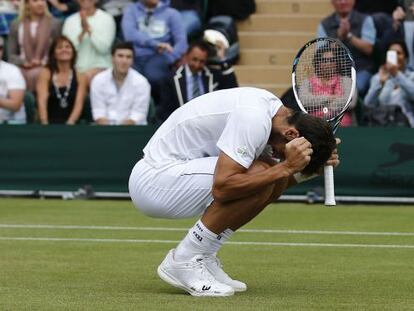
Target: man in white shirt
x,y
215,157
12,88
120,96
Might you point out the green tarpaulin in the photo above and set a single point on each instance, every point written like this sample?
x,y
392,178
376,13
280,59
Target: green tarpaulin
x,y
374,161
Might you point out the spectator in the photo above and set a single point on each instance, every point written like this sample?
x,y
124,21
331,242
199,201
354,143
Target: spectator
x,y
120,96
402,29
30,38
12,87
327,85
357,32
115,8
92,32
61,88
191,12
381,13
8,12
393,87
222,29
193,79
63,8
159,38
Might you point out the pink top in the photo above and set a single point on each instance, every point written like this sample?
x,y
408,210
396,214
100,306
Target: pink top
x,y
332,87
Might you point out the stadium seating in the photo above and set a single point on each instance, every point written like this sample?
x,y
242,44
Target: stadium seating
x,y
270,38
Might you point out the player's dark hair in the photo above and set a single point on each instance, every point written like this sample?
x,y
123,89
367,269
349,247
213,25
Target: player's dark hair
x,y
122,45
319,133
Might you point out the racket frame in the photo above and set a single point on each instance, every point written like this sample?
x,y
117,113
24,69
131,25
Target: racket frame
x,y
334,121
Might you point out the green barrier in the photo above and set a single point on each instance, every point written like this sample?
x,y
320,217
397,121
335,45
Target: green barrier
x,y
374,161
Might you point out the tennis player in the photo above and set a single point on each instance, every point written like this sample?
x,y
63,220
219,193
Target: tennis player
x,y
216,157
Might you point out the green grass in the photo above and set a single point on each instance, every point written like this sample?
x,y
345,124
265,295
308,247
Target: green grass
x,y
121,275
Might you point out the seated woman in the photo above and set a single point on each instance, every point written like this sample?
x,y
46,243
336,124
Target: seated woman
x,y
326,86
30,38
393,87
61,89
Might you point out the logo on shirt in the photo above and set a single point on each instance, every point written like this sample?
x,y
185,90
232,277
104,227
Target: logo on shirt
x,y
242,151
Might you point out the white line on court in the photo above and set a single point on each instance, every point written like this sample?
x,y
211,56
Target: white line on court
x,y
65,227
49,239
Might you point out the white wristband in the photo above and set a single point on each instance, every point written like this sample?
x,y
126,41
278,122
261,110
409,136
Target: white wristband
x,y
299,177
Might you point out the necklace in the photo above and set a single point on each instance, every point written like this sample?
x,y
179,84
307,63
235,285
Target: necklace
x,y
63,99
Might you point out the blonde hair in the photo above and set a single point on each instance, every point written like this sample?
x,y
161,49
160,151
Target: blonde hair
x,y
24,11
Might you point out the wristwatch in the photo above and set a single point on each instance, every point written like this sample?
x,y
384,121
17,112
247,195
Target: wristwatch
x,y
349,35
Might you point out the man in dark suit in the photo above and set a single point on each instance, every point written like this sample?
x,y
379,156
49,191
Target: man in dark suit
x,y
193,79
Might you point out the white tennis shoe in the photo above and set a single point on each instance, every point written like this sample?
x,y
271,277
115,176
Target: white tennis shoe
x,y
192,276
214,266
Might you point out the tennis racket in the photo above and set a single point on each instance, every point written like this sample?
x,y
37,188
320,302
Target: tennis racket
x,y
323,79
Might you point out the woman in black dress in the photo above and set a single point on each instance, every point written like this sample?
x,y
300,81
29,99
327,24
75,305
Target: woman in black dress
x,y
61,89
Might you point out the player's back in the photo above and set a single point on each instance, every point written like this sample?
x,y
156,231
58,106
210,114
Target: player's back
x,y
192,131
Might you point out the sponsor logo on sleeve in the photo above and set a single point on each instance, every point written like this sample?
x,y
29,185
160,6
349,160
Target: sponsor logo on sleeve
x,y
242,151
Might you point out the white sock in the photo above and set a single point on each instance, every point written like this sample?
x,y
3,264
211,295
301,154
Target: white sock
x,y
198,241
224,237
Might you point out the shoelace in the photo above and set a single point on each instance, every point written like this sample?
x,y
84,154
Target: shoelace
x,y
215,260
204,274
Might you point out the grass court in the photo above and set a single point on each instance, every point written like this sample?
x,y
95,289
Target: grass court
x,y
103,255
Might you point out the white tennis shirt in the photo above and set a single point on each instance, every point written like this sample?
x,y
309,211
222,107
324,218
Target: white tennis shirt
x,y
236,121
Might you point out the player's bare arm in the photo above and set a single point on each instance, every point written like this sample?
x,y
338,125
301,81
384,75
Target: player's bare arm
x,y
232,181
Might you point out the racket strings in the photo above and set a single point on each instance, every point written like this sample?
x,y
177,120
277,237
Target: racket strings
x,y
324,79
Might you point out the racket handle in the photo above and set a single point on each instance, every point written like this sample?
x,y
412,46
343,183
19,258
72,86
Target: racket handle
x,y
329,186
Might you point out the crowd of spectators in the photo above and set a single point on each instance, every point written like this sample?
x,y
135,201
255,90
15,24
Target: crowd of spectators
x,y
112,62
193,79
100,61
370,29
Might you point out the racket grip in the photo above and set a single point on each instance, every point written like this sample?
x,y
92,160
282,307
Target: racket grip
x,y
329,186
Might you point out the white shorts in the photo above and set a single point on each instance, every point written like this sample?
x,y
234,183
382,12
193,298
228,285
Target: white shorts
x,y
179,191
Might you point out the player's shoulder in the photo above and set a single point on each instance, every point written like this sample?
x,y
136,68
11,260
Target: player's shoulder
x,y
255,91
258,98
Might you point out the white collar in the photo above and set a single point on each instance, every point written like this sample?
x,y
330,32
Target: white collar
x,y
126,77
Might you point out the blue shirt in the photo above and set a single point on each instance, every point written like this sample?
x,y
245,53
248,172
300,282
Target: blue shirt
x,y
189,78
398,90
